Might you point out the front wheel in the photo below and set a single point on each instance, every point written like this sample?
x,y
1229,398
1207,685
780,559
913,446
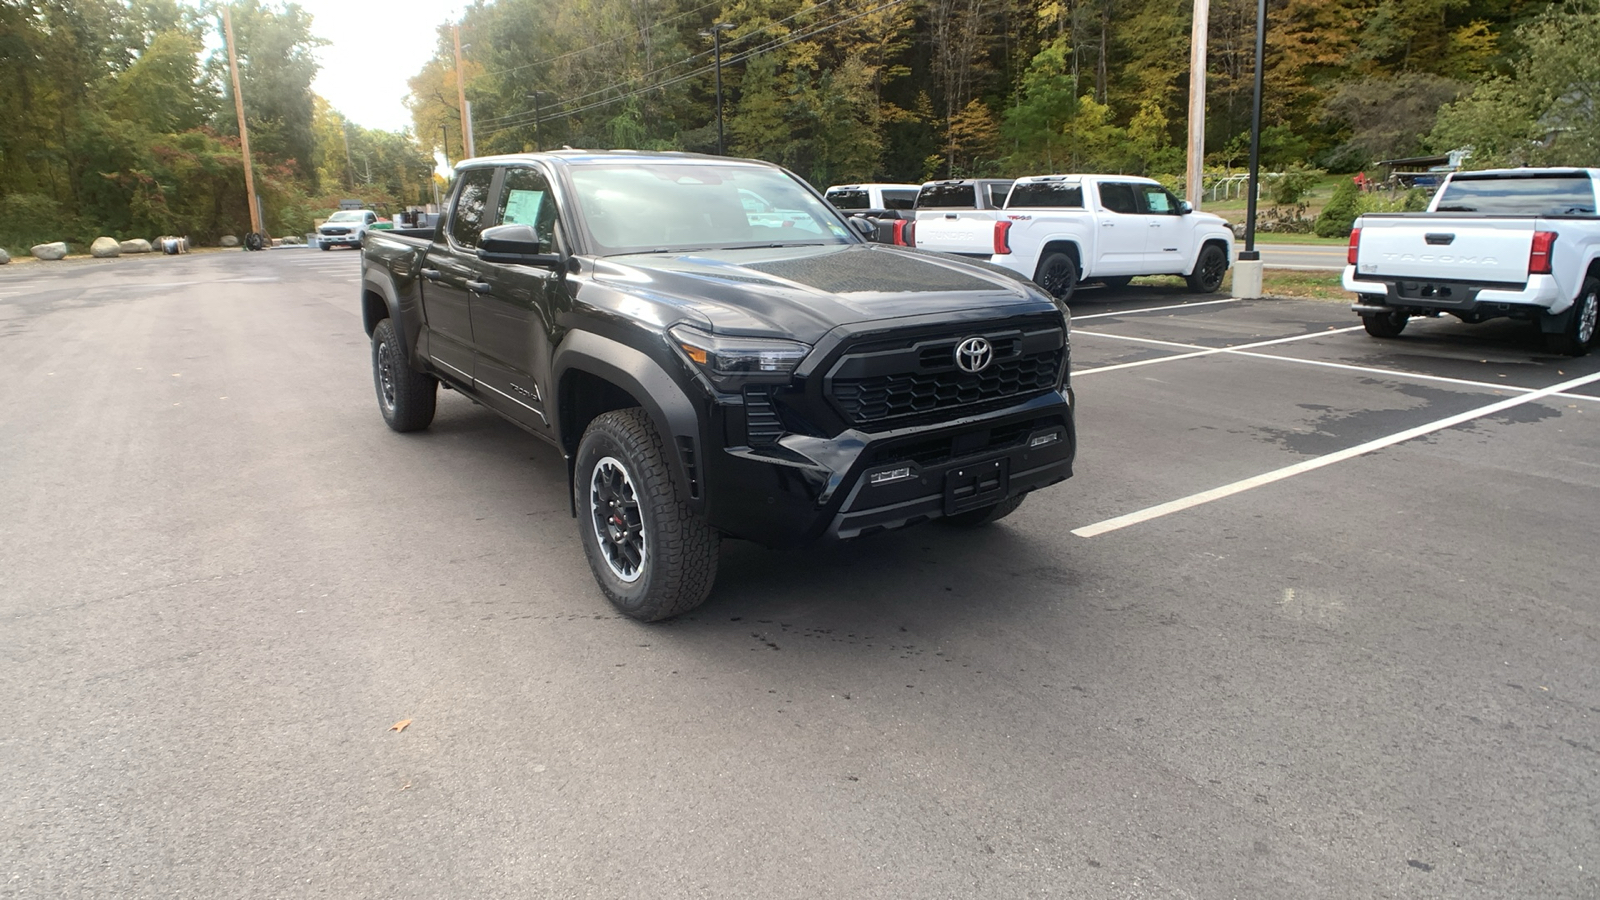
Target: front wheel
x,y
1579,336
1057,274
406,397
1385,325
1208,270
651,555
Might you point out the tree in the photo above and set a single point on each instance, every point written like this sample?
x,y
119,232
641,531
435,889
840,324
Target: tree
x,y
1341,211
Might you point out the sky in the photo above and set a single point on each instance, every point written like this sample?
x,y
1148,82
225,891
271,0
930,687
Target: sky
x,y
375,45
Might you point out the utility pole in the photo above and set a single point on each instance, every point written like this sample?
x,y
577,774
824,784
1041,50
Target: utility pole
x,y
461,96
1197,103
716,49
244,133
444,143
349,164
538,117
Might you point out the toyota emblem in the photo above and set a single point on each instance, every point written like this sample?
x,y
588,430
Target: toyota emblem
x,y
974,355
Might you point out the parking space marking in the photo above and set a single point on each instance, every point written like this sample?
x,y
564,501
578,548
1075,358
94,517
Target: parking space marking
x,y
1400,373
1209,351
1239,487
1149,309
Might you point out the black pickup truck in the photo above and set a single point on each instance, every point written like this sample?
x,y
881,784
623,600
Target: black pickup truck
x,y
718,353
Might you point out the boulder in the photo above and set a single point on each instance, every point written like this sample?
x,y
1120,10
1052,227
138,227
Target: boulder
x,y
292,240
228,240
56,250
4,256
105,248
137,245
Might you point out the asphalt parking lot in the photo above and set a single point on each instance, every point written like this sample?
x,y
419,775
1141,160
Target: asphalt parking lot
x,y
1316,618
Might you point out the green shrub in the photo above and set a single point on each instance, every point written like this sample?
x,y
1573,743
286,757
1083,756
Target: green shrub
x,y
1293,184
28,219
1341,211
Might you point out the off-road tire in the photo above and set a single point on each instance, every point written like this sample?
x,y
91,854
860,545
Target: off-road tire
x,y
1385,325
406,397
975,517
1058,275
1209,268
1580,334
678,562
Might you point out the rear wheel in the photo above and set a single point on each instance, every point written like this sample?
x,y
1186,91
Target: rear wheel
x,y
1208,270
1580,333
406,397
1385,325
984,516
1057,274
651,555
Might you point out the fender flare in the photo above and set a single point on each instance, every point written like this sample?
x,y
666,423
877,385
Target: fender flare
x,y
1204,240
410,326
669,408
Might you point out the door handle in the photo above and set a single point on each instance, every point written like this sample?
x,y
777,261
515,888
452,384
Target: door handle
x,y
1108,224
432,274
478,287
951,216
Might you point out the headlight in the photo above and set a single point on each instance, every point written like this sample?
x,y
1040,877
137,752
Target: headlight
x,y
733,361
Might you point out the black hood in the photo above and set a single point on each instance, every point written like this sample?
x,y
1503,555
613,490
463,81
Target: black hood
x,y
804,292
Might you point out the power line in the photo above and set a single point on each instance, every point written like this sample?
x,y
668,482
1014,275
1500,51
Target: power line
x,y
616,40
677,79
669,66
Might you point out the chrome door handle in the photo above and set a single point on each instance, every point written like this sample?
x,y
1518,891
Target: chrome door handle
x,y
479,287
432,274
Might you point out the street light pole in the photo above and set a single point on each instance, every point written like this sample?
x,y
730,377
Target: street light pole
x,y
1247,275
538,116
716,49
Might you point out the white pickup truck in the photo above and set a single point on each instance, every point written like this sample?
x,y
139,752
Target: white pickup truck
x,y
1518,243
346,227
1063,229
958,216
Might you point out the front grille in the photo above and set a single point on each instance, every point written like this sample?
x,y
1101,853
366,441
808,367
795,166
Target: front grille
x,y
883,385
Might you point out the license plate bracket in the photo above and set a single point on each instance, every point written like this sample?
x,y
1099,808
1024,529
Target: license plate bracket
x,y
976,485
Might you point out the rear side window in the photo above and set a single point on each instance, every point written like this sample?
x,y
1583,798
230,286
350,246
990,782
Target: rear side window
x,y
849,199
1520,195
947,196
1118,198
899,198
1046,195
466,220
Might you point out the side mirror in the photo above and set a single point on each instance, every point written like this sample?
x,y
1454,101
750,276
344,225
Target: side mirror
x,y
1185,207
515,245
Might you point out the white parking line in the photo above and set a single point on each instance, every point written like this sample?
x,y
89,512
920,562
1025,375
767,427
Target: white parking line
x,y
1238,487
1209,351
1148,309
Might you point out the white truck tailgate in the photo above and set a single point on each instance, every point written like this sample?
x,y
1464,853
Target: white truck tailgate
x,y
1446,248
968,231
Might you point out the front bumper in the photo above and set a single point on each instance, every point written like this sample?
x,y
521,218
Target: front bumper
x,y
806,488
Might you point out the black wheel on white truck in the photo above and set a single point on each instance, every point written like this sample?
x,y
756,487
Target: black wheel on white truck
x,y
1385,324
1209,268
1057,274
1578,337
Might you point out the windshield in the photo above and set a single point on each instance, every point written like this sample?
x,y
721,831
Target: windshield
x,y
1558,194
676,207
347,216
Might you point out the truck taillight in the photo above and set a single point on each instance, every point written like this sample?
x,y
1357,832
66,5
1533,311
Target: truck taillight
x,y
1539,262
1002,237
899,233
911,233
1355,246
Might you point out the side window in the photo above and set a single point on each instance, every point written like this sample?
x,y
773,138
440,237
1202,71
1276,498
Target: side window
x,y
997,193
466,220
526,200
1154,199
1118,198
